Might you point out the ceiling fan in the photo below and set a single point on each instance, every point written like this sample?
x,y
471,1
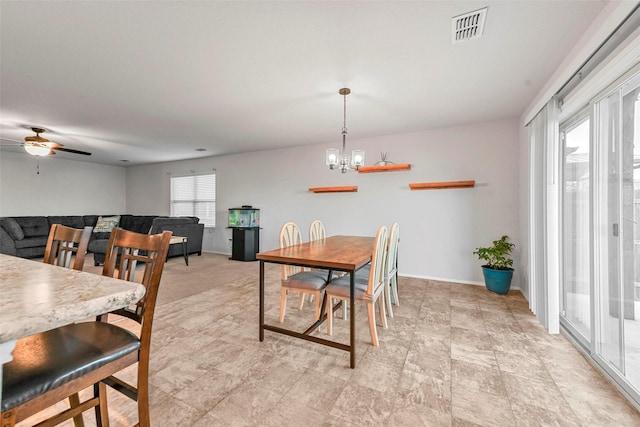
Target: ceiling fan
x,y
39,146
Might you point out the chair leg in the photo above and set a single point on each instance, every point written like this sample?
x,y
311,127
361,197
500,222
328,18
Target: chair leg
x,y
301,301
372,323
102,410
394,288
144,420
329,314
383,314
317,298
74,401
283,304
387,298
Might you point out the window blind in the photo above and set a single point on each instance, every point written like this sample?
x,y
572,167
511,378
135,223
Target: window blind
x,y
194,196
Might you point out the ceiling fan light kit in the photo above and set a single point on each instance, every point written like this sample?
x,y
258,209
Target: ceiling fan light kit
x,y
344,162
38,150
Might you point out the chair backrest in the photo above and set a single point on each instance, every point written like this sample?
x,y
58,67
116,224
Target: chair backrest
x,y
378,261
66,243
290,236
392,251
125,251
317,231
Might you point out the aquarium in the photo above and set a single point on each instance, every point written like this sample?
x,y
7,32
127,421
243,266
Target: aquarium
x,y
244,217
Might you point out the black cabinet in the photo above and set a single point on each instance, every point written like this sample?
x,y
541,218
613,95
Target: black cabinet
x,y
245,244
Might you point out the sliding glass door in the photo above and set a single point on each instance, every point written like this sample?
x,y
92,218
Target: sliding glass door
x,y
576,266
617,232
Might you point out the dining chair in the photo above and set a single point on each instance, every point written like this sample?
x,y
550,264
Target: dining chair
x,y
66,243
368,291
51,366
391,269
296,278
317,231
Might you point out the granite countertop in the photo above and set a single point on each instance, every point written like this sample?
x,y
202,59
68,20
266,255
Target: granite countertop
x,y
35,297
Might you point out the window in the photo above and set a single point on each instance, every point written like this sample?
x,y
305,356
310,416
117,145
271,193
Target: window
x,y
194,196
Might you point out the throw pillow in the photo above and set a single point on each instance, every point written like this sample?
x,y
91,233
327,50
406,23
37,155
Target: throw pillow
x,y
12,228
106,224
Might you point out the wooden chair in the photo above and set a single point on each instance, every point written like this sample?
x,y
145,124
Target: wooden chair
x,y
391,269
368,291
93,351
390,272
65,243
298,279
317,231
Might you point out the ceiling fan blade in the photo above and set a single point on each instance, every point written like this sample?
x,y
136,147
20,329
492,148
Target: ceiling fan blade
x,y
69,150
17,143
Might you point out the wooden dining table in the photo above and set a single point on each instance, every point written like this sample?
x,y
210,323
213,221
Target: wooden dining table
x,y
337,253
36,297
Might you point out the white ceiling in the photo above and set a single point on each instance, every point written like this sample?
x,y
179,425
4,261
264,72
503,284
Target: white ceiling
x,y
153,81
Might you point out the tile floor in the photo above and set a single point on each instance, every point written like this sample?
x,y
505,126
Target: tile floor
x,y
453,355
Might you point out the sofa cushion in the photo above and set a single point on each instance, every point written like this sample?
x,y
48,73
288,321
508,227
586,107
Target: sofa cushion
x,y
32,242
12,228
90,220
98,246
137,223
67,220
106,223
33,226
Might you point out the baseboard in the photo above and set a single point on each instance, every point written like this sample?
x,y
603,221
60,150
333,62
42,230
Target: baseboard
x,y
445,279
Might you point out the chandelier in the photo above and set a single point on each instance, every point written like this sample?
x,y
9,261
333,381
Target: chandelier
x,y
343,161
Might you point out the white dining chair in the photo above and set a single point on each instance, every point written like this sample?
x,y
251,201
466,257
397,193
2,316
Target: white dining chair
x,y
368,291
391,269
298,279
317,231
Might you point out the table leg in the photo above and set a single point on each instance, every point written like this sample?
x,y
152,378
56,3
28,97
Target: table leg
x,y
352,318
184,251
261,301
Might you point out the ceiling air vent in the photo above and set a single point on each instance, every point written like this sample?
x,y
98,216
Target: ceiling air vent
x,y
468,26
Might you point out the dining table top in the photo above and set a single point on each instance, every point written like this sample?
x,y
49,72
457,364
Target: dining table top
x,y
344,253
36,297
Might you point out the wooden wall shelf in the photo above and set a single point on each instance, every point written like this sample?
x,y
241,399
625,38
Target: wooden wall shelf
x,y
385,168
441,185
350,189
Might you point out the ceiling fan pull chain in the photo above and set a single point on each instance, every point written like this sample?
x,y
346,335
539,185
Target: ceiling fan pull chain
x,y
37,166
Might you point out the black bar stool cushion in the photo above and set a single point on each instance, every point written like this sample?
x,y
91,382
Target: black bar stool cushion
x,y
44,361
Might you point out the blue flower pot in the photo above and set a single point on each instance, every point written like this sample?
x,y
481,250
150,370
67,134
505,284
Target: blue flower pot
x,y
498,281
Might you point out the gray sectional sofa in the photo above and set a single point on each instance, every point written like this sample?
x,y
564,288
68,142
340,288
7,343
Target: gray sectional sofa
x,y
26,236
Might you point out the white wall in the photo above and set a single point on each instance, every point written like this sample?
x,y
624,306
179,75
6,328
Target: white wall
x,y
63,187
439,228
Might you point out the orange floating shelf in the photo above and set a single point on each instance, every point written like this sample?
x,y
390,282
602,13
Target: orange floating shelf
x,y
350,189
441,185
385,168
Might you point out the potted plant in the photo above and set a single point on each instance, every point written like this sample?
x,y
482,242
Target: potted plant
x,y
498,270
